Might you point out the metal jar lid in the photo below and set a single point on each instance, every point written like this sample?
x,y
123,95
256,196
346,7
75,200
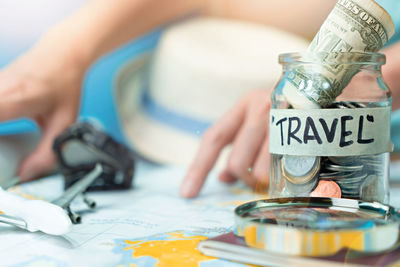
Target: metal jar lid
x,y
306,226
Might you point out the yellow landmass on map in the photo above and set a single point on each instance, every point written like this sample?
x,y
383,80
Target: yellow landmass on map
x,y
258,192
180,250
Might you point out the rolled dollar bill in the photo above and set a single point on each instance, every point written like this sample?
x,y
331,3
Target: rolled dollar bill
x,y
352,26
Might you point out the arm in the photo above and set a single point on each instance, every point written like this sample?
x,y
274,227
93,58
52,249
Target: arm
x,y
44,83
102,25
303,17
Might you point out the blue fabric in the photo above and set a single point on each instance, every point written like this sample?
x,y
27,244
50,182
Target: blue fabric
x,y
18,127
98,97
395,130
172,118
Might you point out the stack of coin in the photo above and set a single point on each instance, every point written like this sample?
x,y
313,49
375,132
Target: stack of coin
x,y
356,176
348,174
301,174
348,104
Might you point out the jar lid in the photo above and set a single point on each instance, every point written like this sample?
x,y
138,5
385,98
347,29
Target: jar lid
x,y
333,58
314,226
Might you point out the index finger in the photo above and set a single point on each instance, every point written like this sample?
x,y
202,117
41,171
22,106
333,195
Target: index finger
x,y
213,141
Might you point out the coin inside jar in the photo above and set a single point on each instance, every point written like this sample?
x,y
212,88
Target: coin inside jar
x,y
301,189
327,189
300,169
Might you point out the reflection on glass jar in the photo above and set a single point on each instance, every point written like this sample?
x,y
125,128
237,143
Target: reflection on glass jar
x,y
330,127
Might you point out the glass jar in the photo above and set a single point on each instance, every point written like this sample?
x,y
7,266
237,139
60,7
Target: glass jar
x,y
330,127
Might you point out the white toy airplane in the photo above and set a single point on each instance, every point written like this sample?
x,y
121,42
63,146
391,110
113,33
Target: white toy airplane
x,y
37,215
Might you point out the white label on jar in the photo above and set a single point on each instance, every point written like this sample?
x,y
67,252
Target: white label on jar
x,y
330,132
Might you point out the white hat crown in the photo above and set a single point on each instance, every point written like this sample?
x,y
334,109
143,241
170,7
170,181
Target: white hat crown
x,y
199,70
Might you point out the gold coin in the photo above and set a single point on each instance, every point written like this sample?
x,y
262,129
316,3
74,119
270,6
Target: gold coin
x,y
327,189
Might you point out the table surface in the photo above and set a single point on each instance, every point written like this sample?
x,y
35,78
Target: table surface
x,y
149,225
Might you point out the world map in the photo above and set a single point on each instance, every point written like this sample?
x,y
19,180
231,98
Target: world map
x,y
150,225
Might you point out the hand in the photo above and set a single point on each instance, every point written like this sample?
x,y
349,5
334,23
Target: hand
x,y
391,72
246,127
44,85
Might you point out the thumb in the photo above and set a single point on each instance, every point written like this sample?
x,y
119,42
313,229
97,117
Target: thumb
x,y
42,160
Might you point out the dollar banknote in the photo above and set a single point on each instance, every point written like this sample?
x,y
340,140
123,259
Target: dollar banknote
x,y
352,26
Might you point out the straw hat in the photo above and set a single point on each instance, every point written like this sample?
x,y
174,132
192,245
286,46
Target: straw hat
x,y
199,70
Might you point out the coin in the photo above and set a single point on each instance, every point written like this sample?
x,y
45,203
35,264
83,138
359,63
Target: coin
x,y
355,178
301,190
300,169
336,175
327,189
332,167
342,160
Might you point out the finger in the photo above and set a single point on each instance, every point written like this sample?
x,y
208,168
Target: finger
x,y
249,141
226,177
221,134
261,168
42,160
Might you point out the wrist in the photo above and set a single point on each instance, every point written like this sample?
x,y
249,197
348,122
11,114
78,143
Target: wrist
x,y
70,45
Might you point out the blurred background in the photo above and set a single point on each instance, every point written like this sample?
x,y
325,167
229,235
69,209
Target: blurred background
x,y
23,22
